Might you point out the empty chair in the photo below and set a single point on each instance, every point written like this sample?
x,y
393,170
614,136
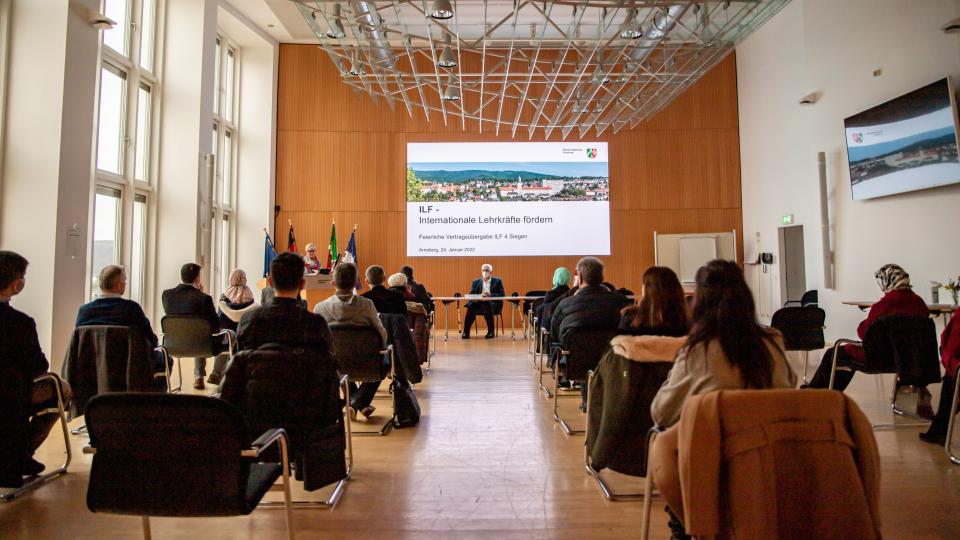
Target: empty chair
x,y
619,393
809,298
802,329
580,354
172,455
360,355
111,359
905,346
14,409
193,337
795,464
299,391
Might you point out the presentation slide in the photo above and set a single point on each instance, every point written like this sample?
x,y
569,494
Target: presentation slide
x,y
488,199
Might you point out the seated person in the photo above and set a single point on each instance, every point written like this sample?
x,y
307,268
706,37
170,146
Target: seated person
x,y
898,299
111,308
189,300
420,293
385,300
486,285
662,311
725,349
267,294
311,264
346,307
20,352
561,280
398,282
235,300
950,357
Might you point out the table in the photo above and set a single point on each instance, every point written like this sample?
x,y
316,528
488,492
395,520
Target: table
x,y
449,299
936,310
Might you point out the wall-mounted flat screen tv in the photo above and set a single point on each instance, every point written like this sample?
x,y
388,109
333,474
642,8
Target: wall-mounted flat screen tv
x,y
906,144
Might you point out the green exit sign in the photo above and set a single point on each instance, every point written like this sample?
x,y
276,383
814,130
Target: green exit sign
x,y
786,220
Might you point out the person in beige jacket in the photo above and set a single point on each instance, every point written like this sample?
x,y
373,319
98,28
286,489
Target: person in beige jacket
x,y
725,349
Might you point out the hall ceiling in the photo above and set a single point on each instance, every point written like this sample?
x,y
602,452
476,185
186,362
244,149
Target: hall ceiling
x,y
530,68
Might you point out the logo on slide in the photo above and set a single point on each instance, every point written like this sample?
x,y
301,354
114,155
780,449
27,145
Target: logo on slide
x,y
591,153
857,137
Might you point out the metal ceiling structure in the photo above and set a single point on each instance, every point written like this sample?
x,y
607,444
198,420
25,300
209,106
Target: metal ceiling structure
x,y
566,67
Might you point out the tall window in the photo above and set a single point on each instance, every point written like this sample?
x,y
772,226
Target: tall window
x,y
225,138
123,182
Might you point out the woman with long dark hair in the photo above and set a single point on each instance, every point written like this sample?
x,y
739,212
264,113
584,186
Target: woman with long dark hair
x,y
725,349
662,310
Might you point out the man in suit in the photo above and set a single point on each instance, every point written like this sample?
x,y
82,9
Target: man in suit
x,y
282,319
487,285
385,300
345,307
418,290
20,354
189,300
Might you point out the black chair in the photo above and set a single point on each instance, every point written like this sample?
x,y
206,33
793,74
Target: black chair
x,y
802,329
171,455
21,487
108,358
298,390
360,352
578,356
193,337
809,298
905,346
622,449
542,350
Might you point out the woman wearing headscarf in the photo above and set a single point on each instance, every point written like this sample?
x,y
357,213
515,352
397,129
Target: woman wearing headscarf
x,y
311,264
898,299
560,283
235,300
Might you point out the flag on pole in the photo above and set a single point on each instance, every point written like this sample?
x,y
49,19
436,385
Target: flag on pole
x,y
269,253
350,254
291,240
332,253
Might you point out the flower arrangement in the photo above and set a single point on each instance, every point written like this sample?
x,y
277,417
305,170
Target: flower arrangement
x,y
953,287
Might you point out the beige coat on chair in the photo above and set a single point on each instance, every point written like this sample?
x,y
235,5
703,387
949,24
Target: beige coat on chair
x,y
778,464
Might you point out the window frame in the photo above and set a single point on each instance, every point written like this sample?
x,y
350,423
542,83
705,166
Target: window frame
x,y
224,130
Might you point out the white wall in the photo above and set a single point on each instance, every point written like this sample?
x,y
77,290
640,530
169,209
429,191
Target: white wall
x,y
834,47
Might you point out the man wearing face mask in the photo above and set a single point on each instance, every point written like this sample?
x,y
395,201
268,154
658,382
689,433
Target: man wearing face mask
x,y
486,286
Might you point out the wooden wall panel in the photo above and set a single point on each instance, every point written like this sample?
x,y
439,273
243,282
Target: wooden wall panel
x,y
341,157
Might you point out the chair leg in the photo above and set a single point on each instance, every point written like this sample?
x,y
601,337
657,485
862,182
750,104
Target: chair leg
x,y
543,388
556,405
806,359
145,520
287,503
647,493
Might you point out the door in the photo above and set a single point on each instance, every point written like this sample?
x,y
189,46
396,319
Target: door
x,y
793,278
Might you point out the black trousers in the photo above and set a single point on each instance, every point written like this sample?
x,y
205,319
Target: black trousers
x,y
938,427
821,379
483,308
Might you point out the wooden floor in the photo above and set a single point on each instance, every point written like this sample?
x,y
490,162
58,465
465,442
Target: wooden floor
x,y
488,462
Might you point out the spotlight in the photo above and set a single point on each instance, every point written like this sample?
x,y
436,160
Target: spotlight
x,y
451,93
630,28
336,29
441,9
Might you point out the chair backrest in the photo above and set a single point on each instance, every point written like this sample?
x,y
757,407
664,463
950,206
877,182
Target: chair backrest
x,y
514,302
292,388
802,327
810,298
586,347
357,349
903,345
108,358
187,337
166,455
528,304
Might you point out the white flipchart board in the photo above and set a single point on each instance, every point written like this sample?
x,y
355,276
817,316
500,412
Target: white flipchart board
x,y
686,253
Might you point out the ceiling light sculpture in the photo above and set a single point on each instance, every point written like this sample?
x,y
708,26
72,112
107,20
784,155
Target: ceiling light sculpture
x,y
587,67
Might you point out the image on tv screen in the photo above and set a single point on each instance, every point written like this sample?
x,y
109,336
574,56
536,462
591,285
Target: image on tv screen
x,y
905,144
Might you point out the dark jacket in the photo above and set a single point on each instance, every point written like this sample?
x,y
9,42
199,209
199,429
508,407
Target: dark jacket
x,y
19,344
284,321
496,289
387,301
592,307
108,359
420,294
292,388
185,300
546,313
548,298
899,302
116,311
620,397
404,351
